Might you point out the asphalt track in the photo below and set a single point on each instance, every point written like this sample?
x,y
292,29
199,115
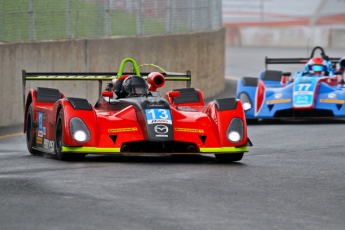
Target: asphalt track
x,y
292,178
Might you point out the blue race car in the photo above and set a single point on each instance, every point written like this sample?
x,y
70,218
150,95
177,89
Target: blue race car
x,y
316,92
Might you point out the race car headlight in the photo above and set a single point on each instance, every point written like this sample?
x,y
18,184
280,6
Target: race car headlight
x,y
234,132
79,131
80,136
246,102
234,136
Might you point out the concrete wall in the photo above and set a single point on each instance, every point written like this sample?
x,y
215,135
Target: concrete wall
x,y
294,36
203,53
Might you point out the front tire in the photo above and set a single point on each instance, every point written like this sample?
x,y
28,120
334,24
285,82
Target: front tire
x,y
30,132
228,158
59,131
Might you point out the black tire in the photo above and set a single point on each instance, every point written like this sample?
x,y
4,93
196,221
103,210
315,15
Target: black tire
x,y
58,143
228,158
252,121
30,137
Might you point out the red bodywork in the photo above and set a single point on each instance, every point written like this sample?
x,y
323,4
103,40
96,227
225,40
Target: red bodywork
x,y
118,126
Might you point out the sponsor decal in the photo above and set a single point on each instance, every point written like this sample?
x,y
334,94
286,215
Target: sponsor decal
x,y
161,129
332,101
44,131
154,105
187,109
278,101
40,125
49,145
189,130
278,95
332,95
39,140
129,129
304,81
158,121
302,99
302,92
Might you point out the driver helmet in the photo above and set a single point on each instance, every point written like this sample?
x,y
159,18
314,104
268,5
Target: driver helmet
x,y
134,85
316,66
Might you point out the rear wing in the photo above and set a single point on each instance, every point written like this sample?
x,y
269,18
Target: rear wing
x,y
100,77
333,60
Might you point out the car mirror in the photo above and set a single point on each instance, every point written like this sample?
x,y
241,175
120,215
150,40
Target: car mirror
x,y
107,94
174,94
286,74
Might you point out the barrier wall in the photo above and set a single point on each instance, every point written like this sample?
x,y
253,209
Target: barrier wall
x,y
202,52
294,36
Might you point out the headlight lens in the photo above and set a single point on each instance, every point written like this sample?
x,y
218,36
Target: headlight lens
x,y
247,103
234,136
235,131
247,106
80,136
79,131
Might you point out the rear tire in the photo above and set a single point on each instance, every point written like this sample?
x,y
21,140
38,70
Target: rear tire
x,y
228,158
58,142
30,133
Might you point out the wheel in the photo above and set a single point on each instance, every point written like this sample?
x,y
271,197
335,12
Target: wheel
x,y
252,121
227,158
30,133
58,143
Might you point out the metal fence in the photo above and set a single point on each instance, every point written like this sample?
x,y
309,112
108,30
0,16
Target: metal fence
x,y
329,13
22,20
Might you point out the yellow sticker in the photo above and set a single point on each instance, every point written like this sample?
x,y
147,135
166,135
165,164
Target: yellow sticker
x,y
189,130
332,101
278,101
39,140
122,130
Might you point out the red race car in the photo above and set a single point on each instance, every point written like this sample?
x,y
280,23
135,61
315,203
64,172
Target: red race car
x,y
131,117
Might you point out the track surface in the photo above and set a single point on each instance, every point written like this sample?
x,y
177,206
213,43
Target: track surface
x,y
292,178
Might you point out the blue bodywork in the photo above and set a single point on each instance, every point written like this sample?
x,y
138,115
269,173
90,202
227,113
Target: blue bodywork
x,y
274,94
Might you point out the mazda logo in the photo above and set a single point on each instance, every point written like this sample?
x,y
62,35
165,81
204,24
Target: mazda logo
x,y
161,129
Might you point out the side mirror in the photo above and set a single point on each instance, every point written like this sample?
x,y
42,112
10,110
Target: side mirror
x,y
286,74
109,94
174,94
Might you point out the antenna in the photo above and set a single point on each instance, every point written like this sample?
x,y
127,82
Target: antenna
x,y
308,47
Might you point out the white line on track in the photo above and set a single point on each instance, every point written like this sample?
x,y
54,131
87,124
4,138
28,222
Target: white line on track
x,y
11,135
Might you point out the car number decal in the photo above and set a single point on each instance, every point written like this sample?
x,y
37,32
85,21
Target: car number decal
x,y
39,140
154,116
304,90
303,87
40,124
48,144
